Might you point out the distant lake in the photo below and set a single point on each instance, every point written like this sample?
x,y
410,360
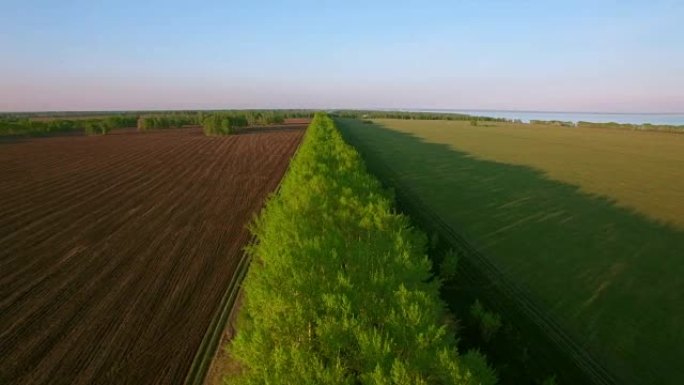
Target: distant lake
x,y
526,116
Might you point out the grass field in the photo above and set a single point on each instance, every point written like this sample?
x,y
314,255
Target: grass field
x,y
588,221
640,170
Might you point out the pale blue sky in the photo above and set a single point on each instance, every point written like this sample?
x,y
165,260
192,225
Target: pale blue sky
x,y
621,56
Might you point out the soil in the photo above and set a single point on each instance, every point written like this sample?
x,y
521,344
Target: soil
x,y
115,250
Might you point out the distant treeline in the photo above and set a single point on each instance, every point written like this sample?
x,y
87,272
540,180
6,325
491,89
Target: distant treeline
x,y
10,125
76,115
220,121
151,122
368,114
36,124
224,123
613,125
553,123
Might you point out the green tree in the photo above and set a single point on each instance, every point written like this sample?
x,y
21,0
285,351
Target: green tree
x,y
489,322
339,290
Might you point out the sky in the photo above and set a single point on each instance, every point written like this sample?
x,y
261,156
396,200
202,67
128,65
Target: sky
x,y
599,56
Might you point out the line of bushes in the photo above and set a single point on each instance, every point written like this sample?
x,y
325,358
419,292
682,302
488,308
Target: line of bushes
x,y
150,122
241,118
96,128
553,123
258,117
223,123
91,126
98,123
340,289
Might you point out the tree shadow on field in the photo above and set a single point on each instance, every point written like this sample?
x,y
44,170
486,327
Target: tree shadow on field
x,y
611,277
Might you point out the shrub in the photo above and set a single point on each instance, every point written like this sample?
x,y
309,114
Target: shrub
x,y
217,125
449,265
258,118
164,121
339,290
119,121
96,128
489,322
144,123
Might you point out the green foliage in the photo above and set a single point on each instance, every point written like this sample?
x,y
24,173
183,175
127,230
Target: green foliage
x,y
155,122
449,265
489,322
339,290
119,121
96,127
477,363
56,122
13,125
553,123
225,122
217,125
242,118
256,118
168,120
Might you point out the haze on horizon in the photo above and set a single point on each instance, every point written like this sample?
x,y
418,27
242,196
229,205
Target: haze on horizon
x,y
608,56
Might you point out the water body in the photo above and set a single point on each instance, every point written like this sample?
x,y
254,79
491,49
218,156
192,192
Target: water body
x,y
595,117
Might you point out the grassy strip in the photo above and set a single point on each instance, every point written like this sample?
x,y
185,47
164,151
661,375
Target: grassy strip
x,y
340,289
210,343
207,350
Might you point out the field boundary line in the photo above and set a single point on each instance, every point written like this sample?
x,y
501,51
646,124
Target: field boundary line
x,y
206,353
210,341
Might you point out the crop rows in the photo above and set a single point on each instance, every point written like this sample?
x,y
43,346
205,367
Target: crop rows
x,y
114,250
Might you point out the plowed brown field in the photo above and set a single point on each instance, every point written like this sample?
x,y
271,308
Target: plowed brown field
x,y
115,250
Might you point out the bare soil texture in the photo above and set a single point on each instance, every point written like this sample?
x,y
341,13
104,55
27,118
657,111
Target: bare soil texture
x,y
115,250
290,121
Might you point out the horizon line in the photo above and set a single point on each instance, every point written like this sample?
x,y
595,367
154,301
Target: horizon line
x,y
398,109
